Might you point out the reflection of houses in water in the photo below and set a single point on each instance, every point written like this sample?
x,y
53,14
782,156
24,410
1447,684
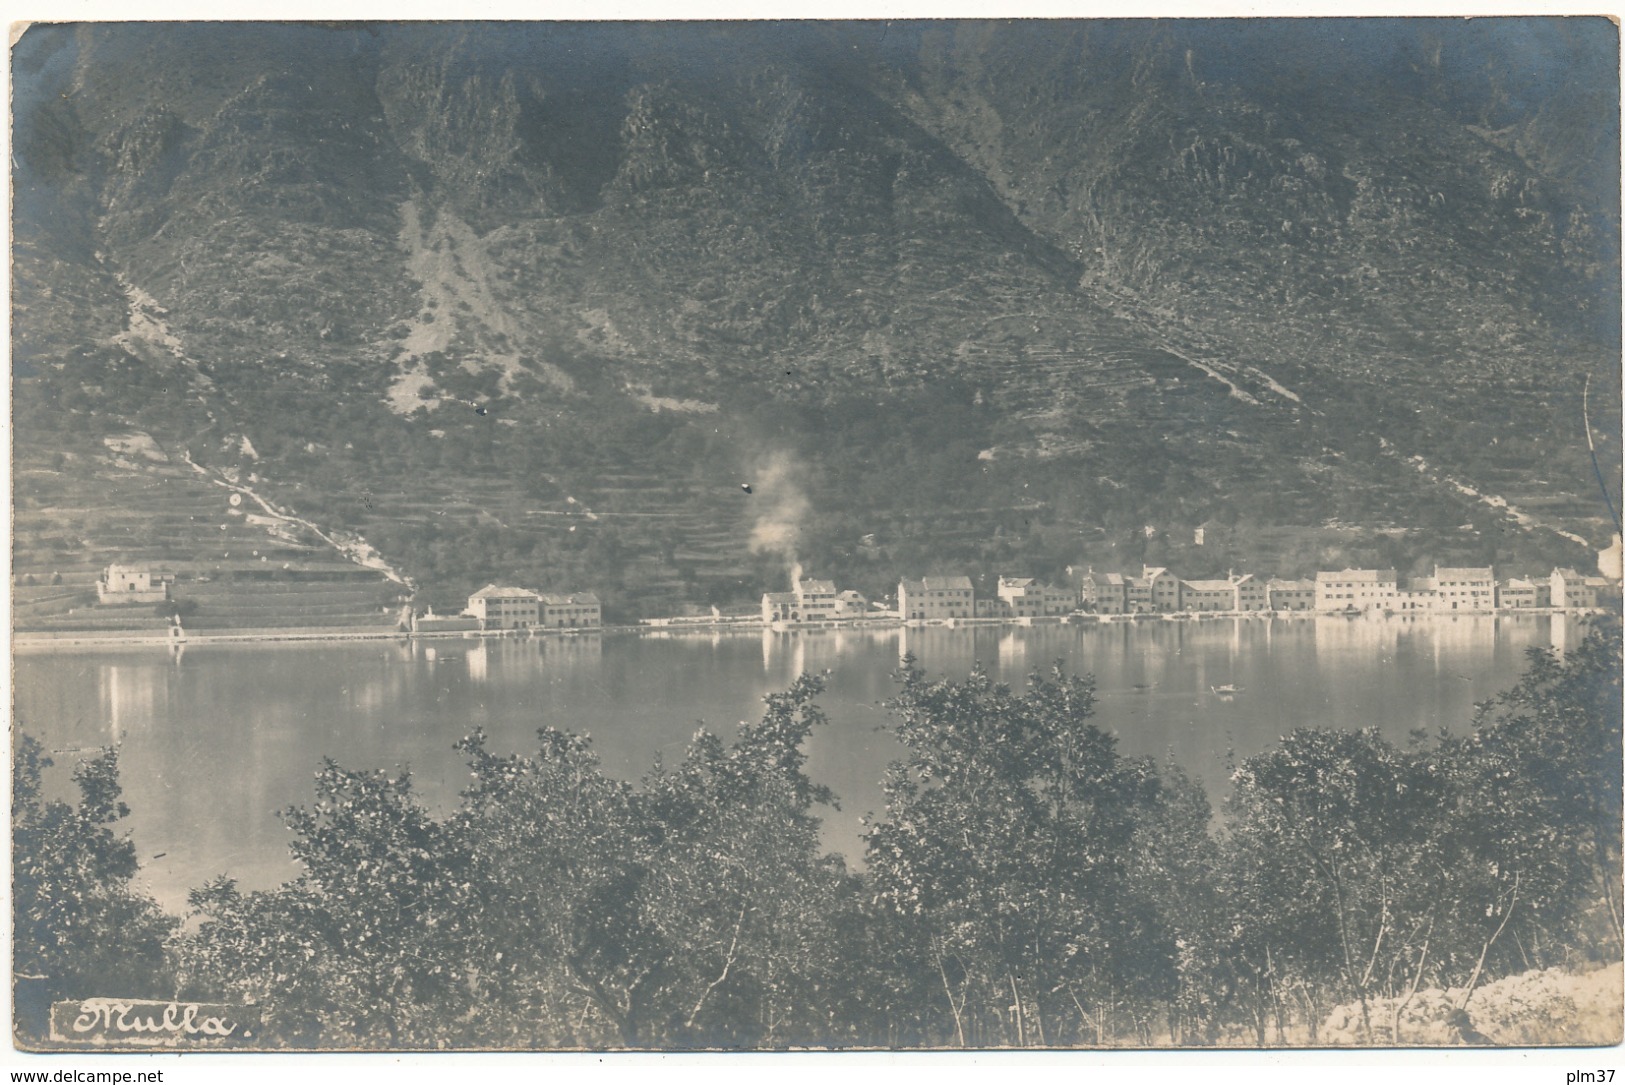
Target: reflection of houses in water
x,y
131,697
1160,645
1126,658
1560,633
1568,630
478,661
508,661
370,688
816,650
1235,638
581,652
1012,657
1110,649
1047,644
1457,640
1446,639
939,651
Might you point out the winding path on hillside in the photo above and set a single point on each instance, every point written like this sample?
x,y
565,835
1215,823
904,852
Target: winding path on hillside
x,y
359,552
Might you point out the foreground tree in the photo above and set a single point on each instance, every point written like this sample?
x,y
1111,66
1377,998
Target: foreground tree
x,y
1007,857
560,955
367,947
80,927
1329,872
697,911
555,907
1353,870
760,920
1173,872
1537,813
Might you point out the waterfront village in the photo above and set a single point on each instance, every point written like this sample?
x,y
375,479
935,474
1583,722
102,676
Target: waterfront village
x,y
1085,595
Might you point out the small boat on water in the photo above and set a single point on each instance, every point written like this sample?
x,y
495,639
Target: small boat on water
x,y
1225,691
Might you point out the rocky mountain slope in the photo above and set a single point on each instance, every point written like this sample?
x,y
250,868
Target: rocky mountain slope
x,y
535,301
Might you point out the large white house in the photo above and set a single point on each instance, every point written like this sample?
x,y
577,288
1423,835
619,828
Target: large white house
x,y
1026,597
936,597
576,610
133,584
1464,588
499,607
1357,589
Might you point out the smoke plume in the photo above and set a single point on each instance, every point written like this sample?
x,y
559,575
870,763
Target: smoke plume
x,y
783,506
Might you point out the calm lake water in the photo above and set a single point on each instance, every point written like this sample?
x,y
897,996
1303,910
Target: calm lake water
x,y
215,739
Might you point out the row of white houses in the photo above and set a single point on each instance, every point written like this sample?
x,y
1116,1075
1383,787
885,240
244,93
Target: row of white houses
x,y
1450,588
1158,591
1154,591
925,599
937,597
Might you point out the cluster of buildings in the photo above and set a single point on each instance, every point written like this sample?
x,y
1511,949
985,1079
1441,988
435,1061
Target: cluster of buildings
x,y
926,599
1449,589
1156,590
1347,591
812,601
936,597
494,607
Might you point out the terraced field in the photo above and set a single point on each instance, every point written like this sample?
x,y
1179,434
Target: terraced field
x,y
234,567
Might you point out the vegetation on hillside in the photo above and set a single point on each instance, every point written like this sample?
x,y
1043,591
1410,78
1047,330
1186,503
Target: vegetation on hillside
x,y
531,302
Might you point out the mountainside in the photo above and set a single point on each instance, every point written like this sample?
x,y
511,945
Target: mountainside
x,y
535,302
